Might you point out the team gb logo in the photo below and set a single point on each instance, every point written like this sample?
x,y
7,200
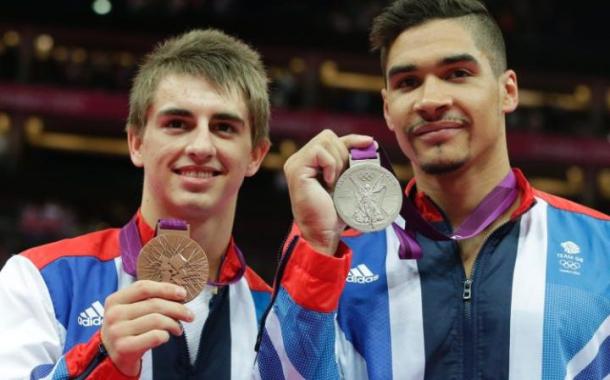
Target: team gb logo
x,y
570,247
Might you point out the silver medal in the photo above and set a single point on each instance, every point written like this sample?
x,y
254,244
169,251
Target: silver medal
x,y
367,196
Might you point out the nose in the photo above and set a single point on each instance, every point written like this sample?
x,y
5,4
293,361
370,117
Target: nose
x,y
434,100
201,146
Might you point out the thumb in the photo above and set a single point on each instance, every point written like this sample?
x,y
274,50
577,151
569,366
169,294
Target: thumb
x,y
357,141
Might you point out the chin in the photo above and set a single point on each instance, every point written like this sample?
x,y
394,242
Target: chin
x,y
189,208
439,168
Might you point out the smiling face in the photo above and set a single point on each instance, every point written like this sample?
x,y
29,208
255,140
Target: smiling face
x,y
443,101
196,149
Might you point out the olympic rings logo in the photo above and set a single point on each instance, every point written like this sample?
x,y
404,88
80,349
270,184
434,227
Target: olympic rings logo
x,y
569,264
366,176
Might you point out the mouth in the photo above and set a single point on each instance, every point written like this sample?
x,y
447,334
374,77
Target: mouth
x,y
197,172
435,127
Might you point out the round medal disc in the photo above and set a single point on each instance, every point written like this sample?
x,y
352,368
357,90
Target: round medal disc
x,y
367,197
177,259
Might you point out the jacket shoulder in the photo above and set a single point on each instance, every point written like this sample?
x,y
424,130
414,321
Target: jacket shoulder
x,y
567,205
104,245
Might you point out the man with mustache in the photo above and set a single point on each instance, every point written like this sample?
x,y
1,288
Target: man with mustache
x,y
482,276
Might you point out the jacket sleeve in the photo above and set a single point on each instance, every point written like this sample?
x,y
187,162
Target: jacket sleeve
x,y
33,340
298,341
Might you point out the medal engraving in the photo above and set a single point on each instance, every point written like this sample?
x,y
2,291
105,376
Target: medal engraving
x,y
176,259
367,197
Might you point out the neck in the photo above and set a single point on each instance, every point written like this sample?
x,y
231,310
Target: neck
x,y
460,192
214,236
211,232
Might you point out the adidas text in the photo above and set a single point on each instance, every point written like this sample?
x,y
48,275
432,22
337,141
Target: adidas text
x,y
361,275
92,316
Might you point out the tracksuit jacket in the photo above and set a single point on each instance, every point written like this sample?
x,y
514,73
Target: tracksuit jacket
x,y
537,305
52,306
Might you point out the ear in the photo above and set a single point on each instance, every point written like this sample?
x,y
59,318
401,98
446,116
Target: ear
x,y
134,140
386,112
259,151
510,91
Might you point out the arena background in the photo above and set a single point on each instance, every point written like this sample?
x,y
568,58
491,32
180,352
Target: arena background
x,y
66,66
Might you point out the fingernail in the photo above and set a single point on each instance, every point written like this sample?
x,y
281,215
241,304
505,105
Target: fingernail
x,y
181,292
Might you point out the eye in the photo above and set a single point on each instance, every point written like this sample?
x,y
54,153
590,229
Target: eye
x,y
458,74
224,127
175,124
407,83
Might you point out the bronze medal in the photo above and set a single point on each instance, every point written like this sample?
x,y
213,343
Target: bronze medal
x,y
174,257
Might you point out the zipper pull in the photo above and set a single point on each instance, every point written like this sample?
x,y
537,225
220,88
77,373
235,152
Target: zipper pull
x,y
467,294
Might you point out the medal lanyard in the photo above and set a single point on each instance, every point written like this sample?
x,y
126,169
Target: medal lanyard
x,y
131,245
491,207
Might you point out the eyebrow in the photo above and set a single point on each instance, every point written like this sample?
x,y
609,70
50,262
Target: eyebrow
x,y
175,112
226,116
459,58
229,117
401,69
450,60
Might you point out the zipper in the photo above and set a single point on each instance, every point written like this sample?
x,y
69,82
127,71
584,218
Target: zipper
x,y
469,328
467,293
283,259
468,298
187,353
97,359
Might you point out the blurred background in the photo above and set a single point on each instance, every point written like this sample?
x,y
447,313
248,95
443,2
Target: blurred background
x,y
66,67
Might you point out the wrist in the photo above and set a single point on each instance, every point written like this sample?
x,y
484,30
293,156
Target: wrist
x,y
326,244
126,368
130,370
315,281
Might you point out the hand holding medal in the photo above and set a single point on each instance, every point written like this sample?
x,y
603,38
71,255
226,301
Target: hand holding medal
x,y
311,173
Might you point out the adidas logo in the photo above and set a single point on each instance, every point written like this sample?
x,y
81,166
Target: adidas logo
x,y
92,316
361,275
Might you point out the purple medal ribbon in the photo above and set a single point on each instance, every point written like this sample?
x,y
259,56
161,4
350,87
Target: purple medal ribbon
x,y
367,153
491,207
131,245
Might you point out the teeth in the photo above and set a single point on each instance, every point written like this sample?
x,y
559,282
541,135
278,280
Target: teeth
x,y
197,174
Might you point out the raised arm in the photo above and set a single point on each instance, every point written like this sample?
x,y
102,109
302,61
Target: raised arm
x,y
298,340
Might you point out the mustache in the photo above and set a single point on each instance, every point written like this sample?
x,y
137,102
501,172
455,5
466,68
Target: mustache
x,y
449,118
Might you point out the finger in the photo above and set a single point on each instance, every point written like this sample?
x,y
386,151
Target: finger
x,y
331,143
134,345
328,162
143,325
145,289
172,309
356,141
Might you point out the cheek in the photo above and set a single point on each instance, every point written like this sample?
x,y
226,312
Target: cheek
x,y
238,152
164,150
405,145
399,110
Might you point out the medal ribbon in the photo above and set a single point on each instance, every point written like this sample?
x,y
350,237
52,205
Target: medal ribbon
x,y
491,207
130,243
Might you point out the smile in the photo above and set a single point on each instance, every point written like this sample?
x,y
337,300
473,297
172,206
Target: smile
x,y
435,127
197,173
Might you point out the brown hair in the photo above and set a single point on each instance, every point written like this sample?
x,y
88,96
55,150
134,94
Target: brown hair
x,y
226,62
